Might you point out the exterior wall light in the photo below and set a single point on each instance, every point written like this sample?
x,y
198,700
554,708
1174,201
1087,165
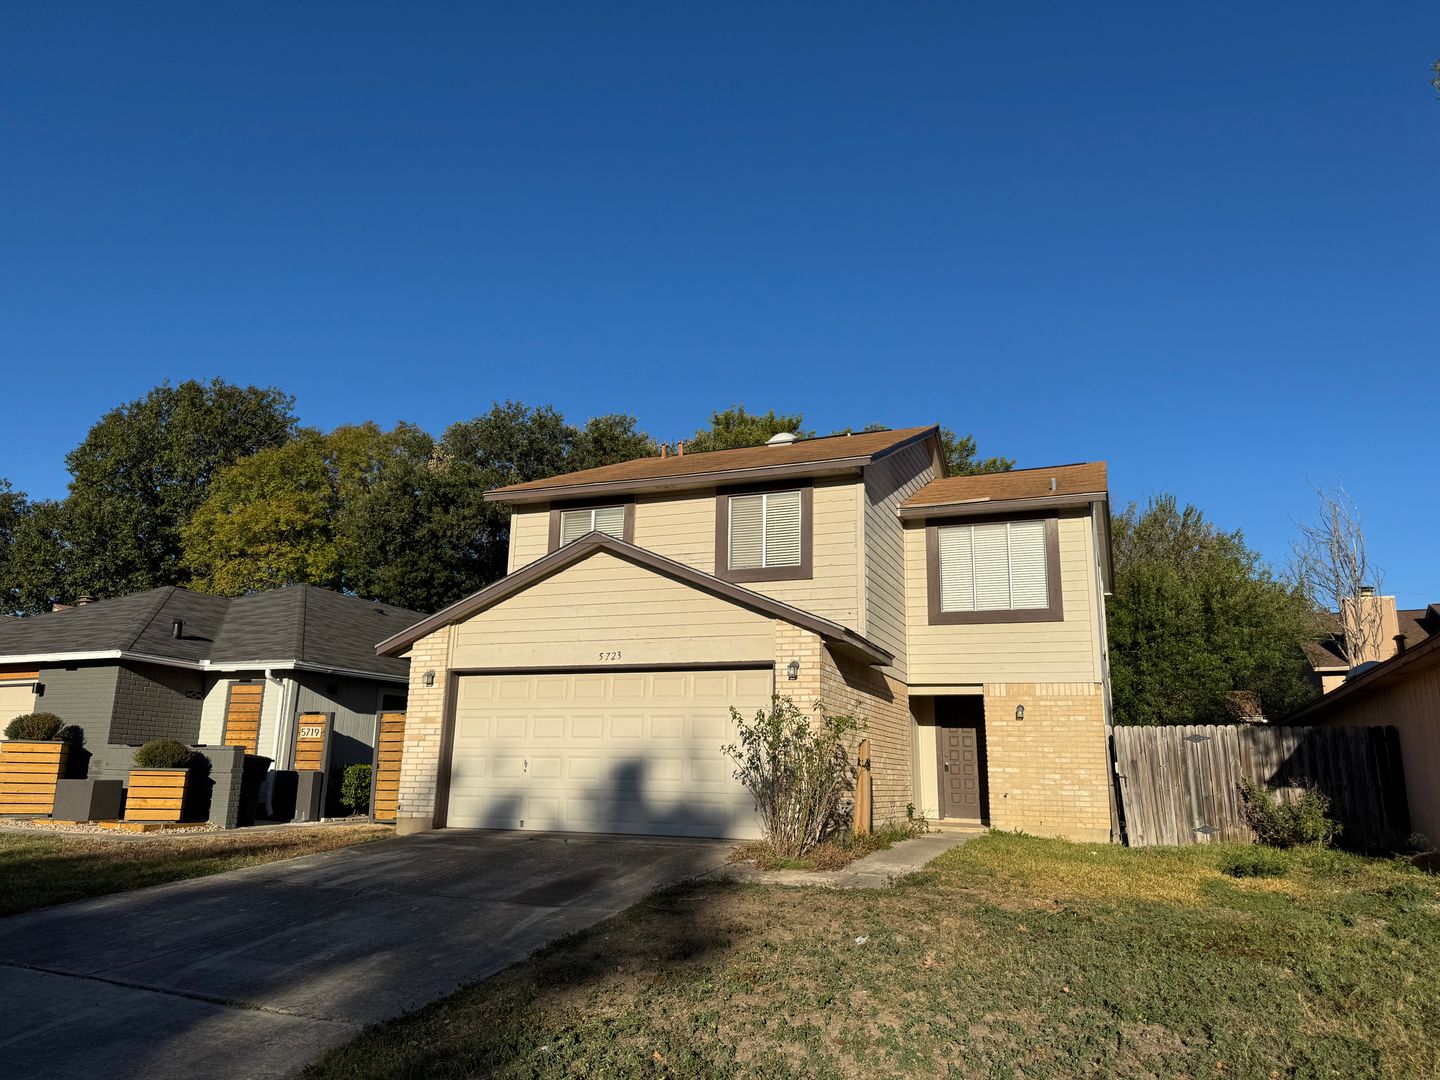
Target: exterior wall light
x,y
430,678
1019,712
792,670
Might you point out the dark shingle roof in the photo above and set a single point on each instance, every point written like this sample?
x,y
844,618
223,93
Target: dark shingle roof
x,y
1416,624
301,622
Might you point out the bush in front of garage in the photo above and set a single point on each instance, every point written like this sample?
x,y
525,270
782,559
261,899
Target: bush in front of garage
x,y
798,770
41,727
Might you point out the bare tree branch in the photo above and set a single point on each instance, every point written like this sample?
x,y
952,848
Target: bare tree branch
x,y
1333,566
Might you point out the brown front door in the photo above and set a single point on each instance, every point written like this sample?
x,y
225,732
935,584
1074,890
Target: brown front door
x,y
961,750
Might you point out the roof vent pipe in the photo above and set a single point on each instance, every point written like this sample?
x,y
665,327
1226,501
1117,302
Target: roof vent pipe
x,y
81,601
680,449
664,449
177,629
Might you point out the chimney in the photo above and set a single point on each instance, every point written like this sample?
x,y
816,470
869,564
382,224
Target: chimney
x,y
177,629
1373,619
81,601
680,449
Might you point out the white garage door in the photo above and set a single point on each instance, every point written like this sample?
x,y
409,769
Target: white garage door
x,y
16,701
609,752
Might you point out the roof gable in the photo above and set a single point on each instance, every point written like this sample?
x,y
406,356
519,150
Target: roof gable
x,y
565,557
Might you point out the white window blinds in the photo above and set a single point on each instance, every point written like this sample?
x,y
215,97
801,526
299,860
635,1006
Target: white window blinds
x,y
764,530
994,567
576,523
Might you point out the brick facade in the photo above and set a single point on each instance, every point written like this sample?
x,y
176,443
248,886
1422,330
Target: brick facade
x,y
1049,773
156,702
883,703
424,730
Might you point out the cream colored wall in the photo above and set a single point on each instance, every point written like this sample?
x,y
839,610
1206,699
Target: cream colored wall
x,y
682,527
1064,651
603,605
1410,705
529,536
888,483
212,712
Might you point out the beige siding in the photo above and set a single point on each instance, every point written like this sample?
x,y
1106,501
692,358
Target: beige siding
x,y
605,605
888,483
682,528
1412,706
529,536
1036,652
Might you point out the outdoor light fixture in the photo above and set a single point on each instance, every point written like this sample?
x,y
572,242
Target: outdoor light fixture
x,y
792,670
1019,712
430,678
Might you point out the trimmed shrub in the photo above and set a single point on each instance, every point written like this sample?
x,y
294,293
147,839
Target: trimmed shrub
x,y
1282,823
355,789
164,754
1255,862
40,725
798,770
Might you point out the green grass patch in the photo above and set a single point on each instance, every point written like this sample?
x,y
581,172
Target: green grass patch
x,y
834,853
37,871
1008,957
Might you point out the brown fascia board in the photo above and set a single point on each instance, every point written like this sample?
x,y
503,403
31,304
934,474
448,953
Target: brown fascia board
x,y
985,507
596,541
836,467
692,481
1376,676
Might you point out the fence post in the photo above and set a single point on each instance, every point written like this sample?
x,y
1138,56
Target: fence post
x,y
863,802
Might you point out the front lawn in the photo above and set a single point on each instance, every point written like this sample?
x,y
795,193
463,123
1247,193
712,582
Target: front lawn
x,y
39,870
1009,957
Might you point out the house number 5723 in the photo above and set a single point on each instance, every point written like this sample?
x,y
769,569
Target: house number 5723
x,y
615,655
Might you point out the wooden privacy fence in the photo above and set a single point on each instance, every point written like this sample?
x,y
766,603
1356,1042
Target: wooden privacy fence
x,y
1181,784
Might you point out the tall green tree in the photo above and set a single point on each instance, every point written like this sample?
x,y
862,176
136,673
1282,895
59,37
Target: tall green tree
x,y
734,428
281,516
36,565
146,466
1197,616
13,507
960,459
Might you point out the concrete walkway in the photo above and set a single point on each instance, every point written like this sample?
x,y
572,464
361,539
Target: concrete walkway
x,y
255,972
876,871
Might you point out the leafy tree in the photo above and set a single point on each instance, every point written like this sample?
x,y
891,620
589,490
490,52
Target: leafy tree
x,y
35,576
960,457
1196,617
13,506
146,466
733,428
278,517
604,440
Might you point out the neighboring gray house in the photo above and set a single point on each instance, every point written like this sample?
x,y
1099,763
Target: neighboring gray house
x,y
208,670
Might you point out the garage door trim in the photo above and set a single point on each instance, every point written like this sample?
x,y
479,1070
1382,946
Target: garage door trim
x,y
452,693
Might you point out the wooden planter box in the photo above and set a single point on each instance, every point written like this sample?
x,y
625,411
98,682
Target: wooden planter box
x,y
156,794
29,771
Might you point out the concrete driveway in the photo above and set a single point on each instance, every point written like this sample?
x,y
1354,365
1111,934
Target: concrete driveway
x,y
253,973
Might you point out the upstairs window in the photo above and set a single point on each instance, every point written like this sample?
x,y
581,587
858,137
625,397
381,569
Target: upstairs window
x,y
997,571
765,530
577,523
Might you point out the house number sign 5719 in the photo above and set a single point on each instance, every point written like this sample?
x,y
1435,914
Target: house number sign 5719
x,y
312,731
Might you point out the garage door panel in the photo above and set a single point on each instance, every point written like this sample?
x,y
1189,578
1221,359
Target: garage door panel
x,y
630,752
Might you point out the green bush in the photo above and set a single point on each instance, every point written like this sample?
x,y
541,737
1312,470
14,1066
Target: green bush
x,y
40,725
164,754
355,789
1282,823
798,770
1255,862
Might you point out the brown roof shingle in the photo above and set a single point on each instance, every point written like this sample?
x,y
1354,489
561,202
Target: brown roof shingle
x,y
1086,478
818,452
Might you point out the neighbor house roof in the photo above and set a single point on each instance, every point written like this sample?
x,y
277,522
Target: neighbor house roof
x,y
804,457
1417,624
1400,666
587,545
1085,482
299,625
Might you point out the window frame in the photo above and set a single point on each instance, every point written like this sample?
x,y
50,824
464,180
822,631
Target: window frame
x,y
556,509
804,571
1054,611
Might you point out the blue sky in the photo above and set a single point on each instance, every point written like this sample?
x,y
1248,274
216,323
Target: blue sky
x,y
1195,240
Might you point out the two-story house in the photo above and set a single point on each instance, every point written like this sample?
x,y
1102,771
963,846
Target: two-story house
x,y
962,618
